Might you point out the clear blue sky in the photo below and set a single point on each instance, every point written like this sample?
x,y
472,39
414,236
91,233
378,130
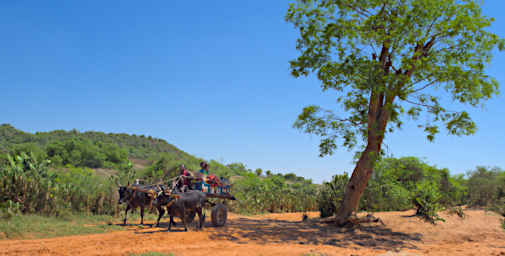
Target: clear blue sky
x,y
211,77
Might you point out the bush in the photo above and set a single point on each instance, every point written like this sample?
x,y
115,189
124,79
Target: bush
x,y
485,186
426,199
9,209
331,194
385,193
272,194
499,207
457,210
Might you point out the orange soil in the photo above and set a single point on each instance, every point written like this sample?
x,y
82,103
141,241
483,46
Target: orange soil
x,y
479,233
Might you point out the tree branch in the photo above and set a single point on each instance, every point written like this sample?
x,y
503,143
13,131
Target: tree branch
x,y
349,120
424,86
420,104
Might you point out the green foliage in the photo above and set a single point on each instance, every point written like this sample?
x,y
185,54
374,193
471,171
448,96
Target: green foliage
x,y
384,193
398,184
162,169
78,189
84,153
330,195
88,149
426,199
498,206
393,179
8,209
34,188
38,152
486,186
386,59
272,194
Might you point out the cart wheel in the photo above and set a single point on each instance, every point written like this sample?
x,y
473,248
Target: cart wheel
x,y
219,214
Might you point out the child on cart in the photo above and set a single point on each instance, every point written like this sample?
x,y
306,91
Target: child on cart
x,y
209,179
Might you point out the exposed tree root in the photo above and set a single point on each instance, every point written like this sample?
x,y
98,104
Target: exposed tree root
x,y
352,220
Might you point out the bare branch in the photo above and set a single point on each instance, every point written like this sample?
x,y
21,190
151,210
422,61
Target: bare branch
x,y
421,104
424,86
349,120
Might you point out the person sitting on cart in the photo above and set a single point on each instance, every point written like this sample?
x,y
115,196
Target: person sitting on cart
x,y
205,169
186,180
201,175
209,178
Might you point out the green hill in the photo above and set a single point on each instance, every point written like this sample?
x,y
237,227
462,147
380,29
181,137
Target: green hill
x,y
153,159
105,150
137,146
85,166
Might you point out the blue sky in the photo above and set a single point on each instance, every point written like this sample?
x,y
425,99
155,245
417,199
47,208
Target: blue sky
x,y
211,77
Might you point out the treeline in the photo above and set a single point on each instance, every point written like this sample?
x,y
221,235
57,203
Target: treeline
x,y
135,146
256,192
29,186
79,152
52,173
408,182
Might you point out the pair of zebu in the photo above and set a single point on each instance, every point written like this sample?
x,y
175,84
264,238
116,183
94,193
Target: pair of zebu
x,y
182,204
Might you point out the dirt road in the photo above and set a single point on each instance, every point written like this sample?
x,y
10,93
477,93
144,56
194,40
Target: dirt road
x,y
284,234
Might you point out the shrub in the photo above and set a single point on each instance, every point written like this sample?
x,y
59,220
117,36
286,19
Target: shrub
x,y
499,206
331,194
9,209
272,194
385,193
458,211
484,186
426,199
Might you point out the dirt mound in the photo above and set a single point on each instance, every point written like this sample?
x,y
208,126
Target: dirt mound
x,y
479,233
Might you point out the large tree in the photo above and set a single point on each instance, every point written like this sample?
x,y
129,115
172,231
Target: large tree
x,y
388,60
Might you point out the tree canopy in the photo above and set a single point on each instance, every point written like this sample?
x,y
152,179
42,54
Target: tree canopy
x,y
391,58
387,59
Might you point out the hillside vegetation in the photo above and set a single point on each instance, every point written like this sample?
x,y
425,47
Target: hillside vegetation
x,y
56,174
60,172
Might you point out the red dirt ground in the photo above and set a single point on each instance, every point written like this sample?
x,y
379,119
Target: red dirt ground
x,y
479,234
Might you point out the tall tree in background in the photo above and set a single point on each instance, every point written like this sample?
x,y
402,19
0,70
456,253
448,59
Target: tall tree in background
x,y
390,59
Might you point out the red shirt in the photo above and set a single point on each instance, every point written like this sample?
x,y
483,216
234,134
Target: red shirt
x,y
186,173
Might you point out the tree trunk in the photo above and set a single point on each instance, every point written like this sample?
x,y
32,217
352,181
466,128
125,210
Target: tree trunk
x,y
358,182
377,121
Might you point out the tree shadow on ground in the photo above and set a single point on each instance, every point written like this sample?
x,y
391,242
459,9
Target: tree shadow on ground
x,y
269,231
178,227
